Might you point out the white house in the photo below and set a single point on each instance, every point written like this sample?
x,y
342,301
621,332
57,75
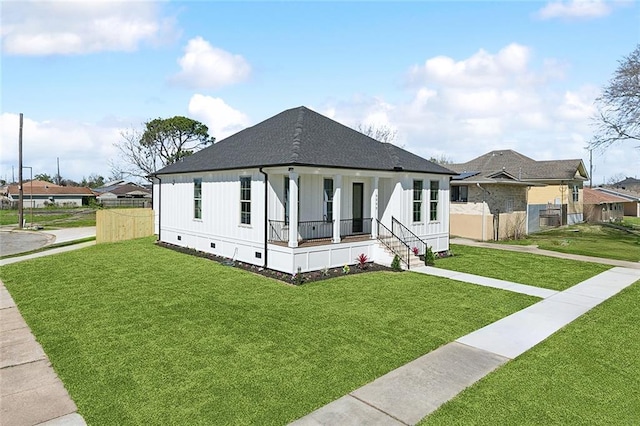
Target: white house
x,y
301,192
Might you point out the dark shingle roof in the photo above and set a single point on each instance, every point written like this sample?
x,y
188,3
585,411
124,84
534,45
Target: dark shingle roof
x,y
522,167
300,136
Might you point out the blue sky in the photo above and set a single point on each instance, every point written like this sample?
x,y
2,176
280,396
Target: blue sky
x,y
454,79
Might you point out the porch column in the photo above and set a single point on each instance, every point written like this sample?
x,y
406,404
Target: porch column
x,y
374,208
293,208
337,191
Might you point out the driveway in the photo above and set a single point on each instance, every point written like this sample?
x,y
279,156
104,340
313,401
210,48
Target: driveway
x,y
14,242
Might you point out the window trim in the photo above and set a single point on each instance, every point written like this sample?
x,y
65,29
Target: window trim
x,y
197,198
327,200
575,194
245,203
417,198
434,195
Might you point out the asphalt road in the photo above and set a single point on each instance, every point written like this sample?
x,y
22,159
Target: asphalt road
x,y
14,242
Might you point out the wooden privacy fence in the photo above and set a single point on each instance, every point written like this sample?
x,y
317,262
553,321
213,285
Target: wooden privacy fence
x,y
123,224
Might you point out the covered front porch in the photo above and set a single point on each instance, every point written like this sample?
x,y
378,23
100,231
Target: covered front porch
x,y
316,207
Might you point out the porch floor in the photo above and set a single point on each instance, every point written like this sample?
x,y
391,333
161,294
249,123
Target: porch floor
x,y
324,242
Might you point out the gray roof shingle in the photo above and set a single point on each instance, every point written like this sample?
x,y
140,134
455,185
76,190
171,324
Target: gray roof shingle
x,y
522,167
303,137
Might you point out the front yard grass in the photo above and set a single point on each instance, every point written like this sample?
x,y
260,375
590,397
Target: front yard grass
x,y
50,218
589,240
144,335
586,373
523,268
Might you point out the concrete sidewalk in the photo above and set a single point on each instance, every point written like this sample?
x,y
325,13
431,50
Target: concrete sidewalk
x,y
535,250
31,392
409,393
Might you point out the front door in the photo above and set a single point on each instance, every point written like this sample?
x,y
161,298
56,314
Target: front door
x,y
358,201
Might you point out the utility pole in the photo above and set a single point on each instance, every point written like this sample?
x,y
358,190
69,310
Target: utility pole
x,y
58,178
20,194
591,168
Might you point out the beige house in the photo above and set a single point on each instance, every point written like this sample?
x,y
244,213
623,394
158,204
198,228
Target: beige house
x,y
504,194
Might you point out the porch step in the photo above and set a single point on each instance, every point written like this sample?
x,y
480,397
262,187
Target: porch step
x,y
414,261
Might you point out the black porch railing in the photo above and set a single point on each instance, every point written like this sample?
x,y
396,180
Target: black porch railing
x,y
350,227
394,243
318,229
406,235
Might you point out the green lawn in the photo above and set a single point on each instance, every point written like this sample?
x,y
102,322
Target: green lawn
x,y
51,218
523,268
144,335
632,221
587,373
589,240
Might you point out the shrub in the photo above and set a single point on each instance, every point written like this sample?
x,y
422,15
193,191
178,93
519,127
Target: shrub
x,y
415,251
429,257
297,278
395,264
346,269
362,260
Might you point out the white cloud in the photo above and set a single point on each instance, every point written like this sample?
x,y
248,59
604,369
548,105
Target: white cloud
x,y
464,108
83,148
582,9
221,119
481,69
80,27
204,66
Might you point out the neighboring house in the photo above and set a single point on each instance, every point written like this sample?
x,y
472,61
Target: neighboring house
x,y
631,203
504,194
123,193
630,184
38,193
300,191
600,206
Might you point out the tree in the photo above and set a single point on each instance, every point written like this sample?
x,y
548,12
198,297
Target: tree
x,y
442,159
380,133
93,181
618,117
163,142
43,177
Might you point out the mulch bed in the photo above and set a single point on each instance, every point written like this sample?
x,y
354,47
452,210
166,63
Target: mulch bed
x,y
303,278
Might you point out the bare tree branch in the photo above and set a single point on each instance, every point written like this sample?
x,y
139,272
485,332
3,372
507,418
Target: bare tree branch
x,y
618,117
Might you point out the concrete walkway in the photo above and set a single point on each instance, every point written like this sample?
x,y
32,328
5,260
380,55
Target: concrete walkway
x,y
409,393
30,393
533,249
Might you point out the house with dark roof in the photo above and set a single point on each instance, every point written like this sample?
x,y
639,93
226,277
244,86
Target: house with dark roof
x,y
505,194
123,194
37,193
302,192
600,206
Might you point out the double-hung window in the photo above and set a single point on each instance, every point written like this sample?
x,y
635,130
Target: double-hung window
x,y
459,194
197,198
245,200
417,200
433,200
328,200
575,193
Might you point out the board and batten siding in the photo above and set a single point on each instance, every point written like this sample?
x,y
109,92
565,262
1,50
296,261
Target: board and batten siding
x,y
219,231
396,200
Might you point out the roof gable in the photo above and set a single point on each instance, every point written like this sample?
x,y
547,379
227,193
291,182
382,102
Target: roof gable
x,y
300,136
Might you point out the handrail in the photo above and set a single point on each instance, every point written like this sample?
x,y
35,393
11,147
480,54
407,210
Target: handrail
x,y
406,259
423,245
